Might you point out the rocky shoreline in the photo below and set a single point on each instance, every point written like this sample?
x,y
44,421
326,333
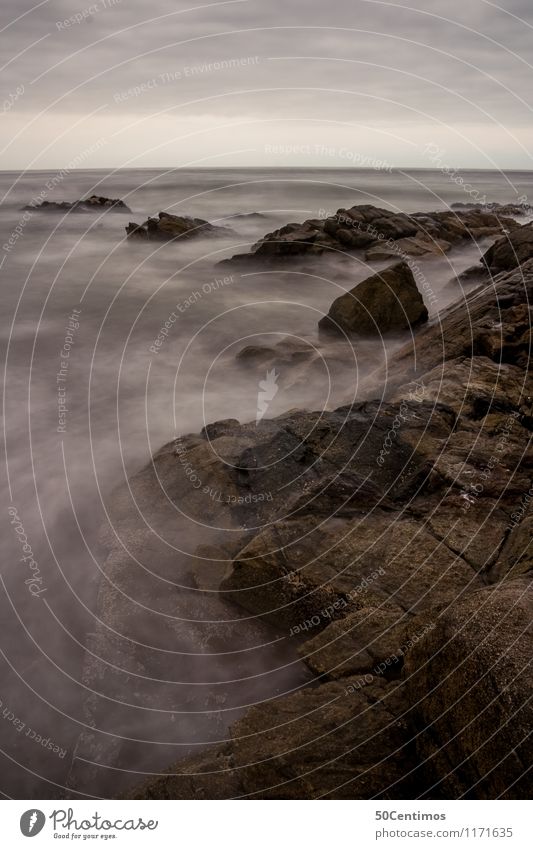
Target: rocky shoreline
x,y
377,539
380,233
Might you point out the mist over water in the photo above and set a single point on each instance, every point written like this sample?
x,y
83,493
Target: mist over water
x,y
82,308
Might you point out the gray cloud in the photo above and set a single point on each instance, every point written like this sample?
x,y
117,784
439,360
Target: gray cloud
x,y
378,64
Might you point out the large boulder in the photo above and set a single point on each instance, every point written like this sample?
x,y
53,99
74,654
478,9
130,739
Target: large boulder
x,y
511,250
470,682
389,301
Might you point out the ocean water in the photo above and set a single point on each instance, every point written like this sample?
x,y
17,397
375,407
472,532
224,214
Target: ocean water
x,y
81,310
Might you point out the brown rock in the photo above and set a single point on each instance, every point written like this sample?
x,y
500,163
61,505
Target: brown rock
x,y
511,250
388,301
470,682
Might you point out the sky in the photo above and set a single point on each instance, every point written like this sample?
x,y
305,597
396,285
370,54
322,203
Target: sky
x,y
295,83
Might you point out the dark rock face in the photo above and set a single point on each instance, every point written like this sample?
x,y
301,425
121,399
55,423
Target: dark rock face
x,y
384,234
511,250
469,680
169,227
381,540
386,302
95,203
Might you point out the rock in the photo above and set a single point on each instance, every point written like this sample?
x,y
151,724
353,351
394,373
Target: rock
x,y
211,566
250,216
94,203
169,227
286,353
208,775
344,740
419,245
339,741
291,573
474,325
256,354
515,557
455,725
370,640
455,227
389,301
511,250
473,274
224,427
470,683
506,209
383,233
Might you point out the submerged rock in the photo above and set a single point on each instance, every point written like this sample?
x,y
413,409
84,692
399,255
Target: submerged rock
x,y
94,203
389,301
167,227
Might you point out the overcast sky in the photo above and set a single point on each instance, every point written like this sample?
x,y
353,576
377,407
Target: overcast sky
x,y
126,83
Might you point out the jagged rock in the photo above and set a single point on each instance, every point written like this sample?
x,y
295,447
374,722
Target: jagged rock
x,y
470,683
388,301
382,232
511,250
94,203
168,227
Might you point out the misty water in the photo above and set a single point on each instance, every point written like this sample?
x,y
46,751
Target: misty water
x,y
75,291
